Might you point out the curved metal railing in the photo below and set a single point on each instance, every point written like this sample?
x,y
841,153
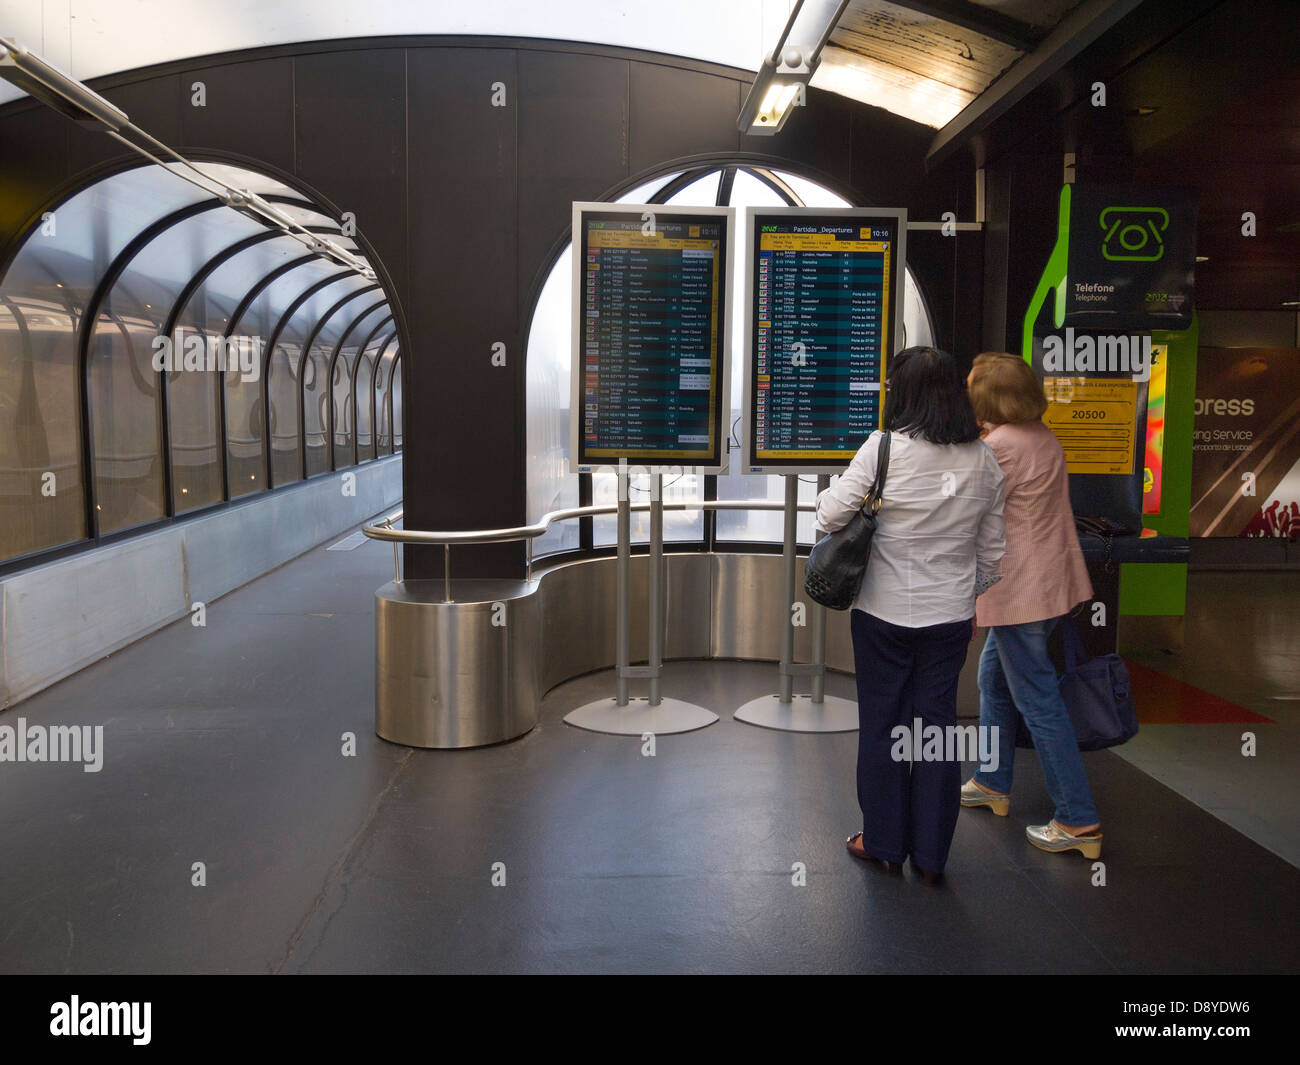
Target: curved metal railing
x,y
382,529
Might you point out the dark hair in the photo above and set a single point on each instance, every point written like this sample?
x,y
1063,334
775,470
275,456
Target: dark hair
x,y
927,397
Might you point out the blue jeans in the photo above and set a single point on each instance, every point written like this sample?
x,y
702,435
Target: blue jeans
x,y
1016,674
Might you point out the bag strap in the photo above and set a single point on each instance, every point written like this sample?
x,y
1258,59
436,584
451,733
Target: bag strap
x,y
876,493
1075,655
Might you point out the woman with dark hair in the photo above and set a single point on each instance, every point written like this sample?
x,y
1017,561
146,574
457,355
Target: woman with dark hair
x,y
937,545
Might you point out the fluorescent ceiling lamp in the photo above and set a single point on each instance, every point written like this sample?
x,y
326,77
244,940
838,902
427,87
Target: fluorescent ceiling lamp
x,y
51,86
784,75
780,95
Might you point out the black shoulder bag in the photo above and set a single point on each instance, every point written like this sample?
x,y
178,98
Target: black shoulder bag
x,y
839,560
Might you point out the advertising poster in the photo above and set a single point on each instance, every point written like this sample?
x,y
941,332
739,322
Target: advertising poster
x,y
1155,451
1246,448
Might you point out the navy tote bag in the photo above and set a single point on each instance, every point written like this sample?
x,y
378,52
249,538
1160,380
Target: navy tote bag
x,y
1097,694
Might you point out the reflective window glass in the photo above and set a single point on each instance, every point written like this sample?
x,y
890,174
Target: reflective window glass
x,y
383,412
147,358
125,418
362,394
282,387
397,406
344,426
42,500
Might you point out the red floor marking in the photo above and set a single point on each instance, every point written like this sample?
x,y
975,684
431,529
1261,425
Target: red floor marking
x,y
1162,700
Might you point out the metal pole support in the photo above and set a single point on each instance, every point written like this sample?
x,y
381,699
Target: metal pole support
x,y
656,586
818,628
784,710
788,572
656,715
624,573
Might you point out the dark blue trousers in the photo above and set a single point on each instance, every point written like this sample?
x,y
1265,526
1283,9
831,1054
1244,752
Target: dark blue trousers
x,y
908,809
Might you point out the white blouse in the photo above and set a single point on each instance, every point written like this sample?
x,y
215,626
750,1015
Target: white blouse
x,y
939,534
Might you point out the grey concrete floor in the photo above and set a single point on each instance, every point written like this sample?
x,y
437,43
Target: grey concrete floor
x,y
223,746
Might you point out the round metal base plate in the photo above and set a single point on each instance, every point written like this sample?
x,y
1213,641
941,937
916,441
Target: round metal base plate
x,y
639,717
801,714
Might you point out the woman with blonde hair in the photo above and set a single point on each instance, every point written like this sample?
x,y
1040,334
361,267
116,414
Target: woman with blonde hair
x,y
1043,578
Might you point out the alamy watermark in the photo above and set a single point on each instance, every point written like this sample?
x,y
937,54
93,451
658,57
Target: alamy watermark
x,y
197,352
948,743
53,743
102,1018
1083,353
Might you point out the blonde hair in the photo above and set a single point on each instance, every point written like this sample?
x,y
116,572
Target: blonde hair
x,y
1004,389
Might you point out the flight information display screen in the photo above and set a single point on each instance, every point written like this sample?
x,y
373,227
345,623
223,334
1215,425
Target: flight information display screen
x,y
650,285
825,299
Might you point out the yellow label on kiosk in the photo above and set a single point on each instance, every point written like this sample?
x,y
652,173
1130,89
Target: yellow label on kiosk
x,y
1095,419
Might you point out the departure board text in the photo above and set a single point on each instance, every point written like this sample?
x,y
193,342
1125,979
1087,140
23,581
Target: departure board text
x,y
650,322
821,307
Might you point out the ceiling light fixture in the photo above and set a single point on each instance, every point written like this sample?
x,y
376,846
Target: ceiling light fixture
x,y
51,86
784,75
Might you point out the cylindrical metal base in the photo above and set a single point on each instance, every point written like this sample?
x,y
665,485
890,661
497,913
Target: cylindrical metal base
x,y
638,717
801,714
456,674
715,606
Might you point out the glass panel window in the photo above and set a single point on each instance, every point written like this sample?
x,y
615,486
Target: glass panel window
x,y
194,415
645,192
126,421
282,385
42,501
701,193
293,367
383,388
679,525
158,274
550,484
245,434
315,407
210,310
372,325
810,193
362,393
344,426
214,364
397,407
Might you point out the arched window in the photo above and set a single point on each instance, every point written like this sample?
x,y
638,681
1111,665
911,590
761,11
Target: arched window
x,y
551,485
100,430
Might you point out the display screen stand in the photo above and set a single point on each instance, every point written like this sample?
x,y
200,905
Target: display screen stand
x,y
786,711
624,715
